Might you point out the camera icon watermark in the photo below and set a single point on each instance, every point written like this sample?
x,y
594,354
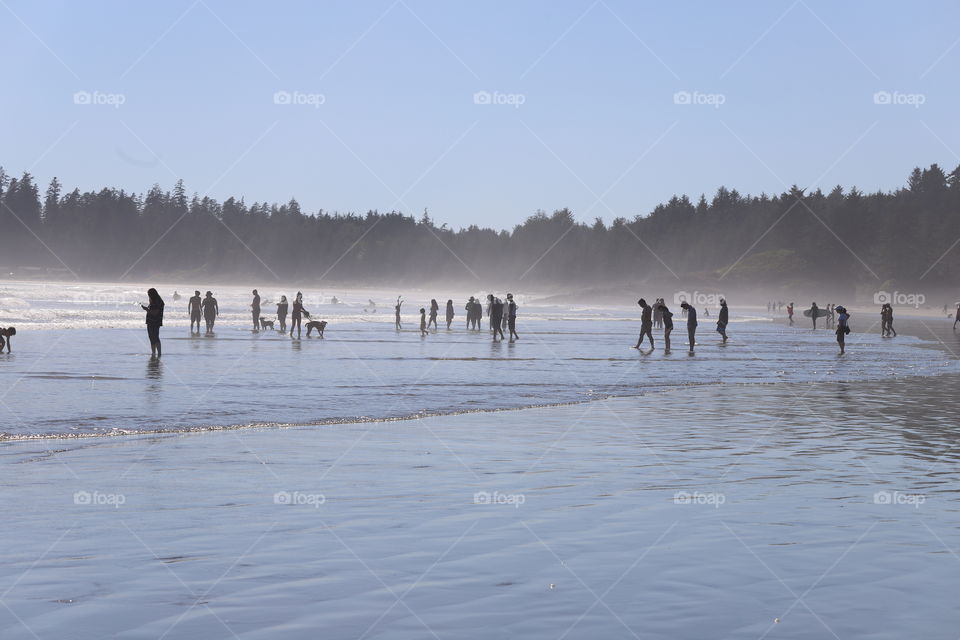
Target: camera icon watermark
x,y
514,100
698,298
914,300
714,100
697,497
485,497
897,98
314,100
897,497
115,100
96,498
299,498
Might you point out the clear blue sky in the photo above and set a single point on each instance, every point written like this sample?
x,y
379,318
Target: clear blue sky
x,y
399,127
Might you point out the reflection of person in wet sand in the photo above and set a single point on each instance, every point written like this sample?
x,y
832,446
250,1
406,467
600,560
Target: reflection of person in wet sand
x,y
396,313
210,311
194,308
5,335
449,313
646,323
154,320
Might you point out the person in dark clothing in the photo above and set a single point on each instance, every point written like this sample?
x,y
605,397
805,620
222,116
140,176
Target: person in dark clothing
x,y
490,310
646,323
396,313
843,327
790,313
154,321
296,315
194,307
256,310
469,309
423,322
282,308
512,317
434,309
210,310
5,334
449,313
496,318
723,319
691,324
667,317
814,312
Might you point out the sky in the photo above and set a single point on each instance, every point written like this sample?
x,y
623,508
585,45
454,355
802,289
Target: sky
x,y
481,113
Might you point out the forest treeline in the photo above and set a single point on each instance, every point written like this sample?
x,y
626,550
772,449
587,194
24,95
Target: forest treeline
x,y
901,235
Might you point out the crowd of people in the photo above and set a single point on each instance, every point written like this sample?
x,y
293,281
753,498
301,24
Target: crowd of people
x,y
501,314
659,316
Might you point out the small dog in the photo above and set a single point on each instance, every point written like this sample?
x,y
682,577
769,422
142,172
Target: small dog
x,y
265,324
319,325
5,335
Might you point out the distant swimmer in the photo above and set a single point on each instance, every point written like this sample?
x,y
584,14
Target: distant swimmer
x,y
723,319
691,324
372,305
210,311
790,313
512,317
255,307
396,313
5,334
154,321
423,322
646,323
296,315
176,296
496,318
434,309
843,327
195,310
449,313
667,316
334,300
282,308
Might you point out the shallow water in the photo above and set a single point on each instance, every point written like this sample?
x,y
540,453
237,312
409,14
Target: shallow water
x,y
66,380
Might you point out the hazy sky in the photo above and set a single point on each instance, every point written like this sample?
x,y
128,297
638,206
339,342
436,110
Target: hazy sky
x,y
583,109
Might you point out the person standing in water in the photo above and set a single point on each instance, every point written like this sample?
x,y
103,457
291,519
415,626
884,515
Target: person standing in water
x,y
890,328
843,327
956,317
691,323
210,310
512,317
423,322
667,316
194,308
646,323
434,309
282,308
496,318
154,321
490,310
790,313
449,313
814,312
396,313
469,309
255,307
296,315
723,319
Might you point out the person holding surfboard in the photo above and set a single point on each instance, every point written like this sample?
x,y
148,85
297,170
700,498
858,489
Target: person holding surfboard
x,y
814,312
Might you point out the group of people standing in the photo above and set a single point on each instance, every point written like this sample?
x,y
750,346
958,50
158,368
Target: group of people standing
x,y
659,315
502,315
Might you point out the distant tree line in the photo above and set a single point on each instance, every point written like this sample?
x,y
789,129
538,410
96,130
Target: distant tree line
x,y
906,234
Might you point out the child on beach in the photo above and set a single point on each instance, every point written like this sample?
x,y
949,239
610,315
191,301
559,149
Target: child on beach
x,y
423,321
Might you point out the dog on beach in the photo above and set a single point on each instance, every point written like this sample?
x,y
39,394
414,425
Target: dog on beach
x,y
5,335
319,325
265,324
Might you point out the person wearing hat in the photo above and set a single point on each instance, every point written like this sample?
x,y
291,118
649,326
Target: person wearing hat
x,y
843,326
512,317
193,308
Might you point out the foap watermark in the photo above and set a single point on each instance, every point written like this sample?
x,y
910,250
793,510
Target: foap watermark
x,y
898,497
115,100
495,97
698,298
299,498
99,499
698,497
299,98
699,98
898,297
485,497
898,98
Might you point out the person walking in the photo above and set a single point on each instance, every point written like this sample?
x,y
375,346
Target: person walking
x,y
154,321
723,319
646,323
512,317
434,309
210,311
194,307
790,313
423,322
496,318
814,312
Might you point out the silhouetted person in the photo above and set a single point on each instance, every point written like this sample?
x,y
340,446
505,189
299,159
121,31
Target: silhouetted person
x,y
646,323
691,324
449,313
396,313
814,312
434,309
296,316
469,309
512,317
667,316
210,310
843,327
423,322
490,310
890,329
956,316
154,321
5,335
790,313
195,310
282,309
256,310
496,318
723,319
176,296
